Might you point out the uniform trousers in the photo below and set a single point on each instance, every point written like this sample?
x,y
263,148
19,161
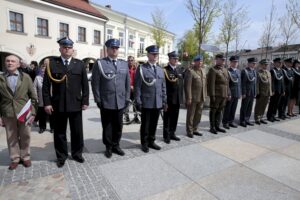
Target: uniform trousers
x,y
18,139
283,102
273,105
149,121
170,120
246,109
193,116
229,111
42,118
260,107
60,138
216,109
112,125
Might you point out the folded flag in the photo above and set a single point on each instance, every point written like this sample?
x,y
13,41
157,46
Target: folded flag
x,y
25,113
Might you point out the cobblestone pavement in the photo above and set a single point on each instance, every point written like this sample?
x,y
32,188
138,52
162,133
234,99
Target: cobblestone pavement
x,y
193,168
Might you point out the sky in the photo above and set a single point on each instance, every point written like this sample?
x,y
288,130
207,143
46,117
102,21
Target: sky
x,y
179,19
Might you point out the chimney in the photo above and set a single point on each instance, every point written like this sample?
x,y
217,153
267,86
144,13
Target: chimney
x,y
108,6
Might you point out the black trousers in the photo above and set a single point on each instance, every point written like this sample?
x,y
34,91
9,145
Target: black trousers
x,y
60,138
282,105
170,120
246,109
148,125
229,111
42,118
273,105
112,125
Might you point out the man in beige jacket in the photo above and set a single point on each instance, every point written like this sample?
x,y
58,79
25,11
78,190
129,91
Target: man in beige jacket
x,y
15,90
195,94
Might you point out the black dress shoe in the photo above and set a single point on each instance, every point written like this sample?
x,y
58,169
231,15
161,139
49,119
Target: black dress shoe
x,y
276,119
190,135
174,137
167,141
213,131
270,119
41,131
79,159
51,130
108,153
220,130
263,121
243,124
118,150
249,123
257,122
197,133
145,148
233,125
60,163
154,146
226,126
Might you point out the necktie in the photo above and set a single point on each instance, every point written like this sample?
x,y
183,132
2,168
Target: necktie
x,y
115,63
66,63
154,69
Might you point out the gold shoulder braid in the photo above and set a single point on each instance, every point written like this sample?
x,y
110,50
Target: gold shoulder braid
x,y
167,76
53,79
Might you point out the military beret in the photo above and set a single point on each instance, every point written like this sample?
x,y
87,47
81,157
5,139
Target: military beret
x,y
252,60
277,60
264,61
65,41
288,60
173,54
234,58
296,61
221,56
112,43
198,57
153,49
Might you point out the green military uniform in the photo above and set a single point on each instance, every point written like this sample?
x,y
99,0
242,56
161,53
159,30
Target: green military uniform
x,y
195,91
263,93
218,91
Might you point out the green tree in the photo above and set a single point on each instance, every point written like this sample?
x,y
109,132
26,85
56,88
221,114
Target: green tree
x,y
159,27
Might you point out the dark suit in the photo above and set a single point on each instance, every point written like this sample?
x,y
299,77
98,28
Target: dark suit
x,y
235,90
248,78
278,90
67,99
174,98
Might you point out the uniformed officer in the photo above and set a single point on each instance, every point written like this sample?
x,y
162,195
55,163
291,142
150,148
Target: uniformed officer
x,y
248,78
263,91
218,91
295,98
277,88
150,96
66,94
288,75
235,90
195,94
174,98
111,89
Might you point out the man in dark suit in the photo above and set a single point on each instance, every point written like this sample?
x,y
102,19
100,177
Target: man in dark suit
x,y
174,98
248,78
277,89
111,89
150,96
235,90
66,80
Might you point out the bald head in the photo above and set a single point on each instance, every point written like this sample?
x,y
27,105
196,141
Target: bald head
x,y
12,62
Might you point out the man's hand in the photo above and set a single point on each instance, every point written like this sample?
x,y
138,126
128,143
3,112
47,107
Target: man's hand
x,y
84,107
1,122
188,102
166,107
48,109
99,105
228,98
243,96
31,119
138,107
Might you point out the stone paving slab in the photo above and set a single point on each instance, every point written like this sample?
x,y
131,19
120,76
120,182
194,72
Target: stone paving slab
x,y
264,139
190,191
279,167
195,161
292,151
292,126
49,187
239,182
142,176
234,148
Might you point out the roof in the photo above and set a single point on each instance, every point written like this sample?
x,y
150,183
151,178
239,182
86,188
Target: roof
x,y
78,5
292,47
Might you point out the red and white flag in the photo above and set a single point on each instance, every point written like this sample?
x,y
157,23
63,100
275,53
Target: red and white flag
x,y
25,113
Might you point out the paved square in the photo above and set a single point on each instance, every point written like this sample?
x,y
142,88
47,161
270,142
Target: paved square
x,y
291,126
292,151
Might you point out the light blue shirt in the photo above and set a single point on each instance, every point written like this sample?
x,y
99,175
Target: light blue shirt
x,y
12,80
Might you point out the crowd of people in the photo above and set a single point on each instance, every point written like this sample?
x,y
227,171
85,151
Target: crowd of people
x,y
59,92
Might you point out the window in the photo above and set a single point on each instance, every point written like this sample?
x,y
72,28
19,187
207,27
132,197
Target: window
x,y
63,30
81,34
121,38
97,37
130,41
42,27
16,21
142,44
109,34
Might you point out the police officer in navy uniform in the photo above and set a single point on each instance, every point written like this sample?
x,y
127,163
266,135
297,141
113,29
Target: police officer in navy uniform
x,y
277,88
248,78
111,89
235,89
150,96
66,94
174,98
